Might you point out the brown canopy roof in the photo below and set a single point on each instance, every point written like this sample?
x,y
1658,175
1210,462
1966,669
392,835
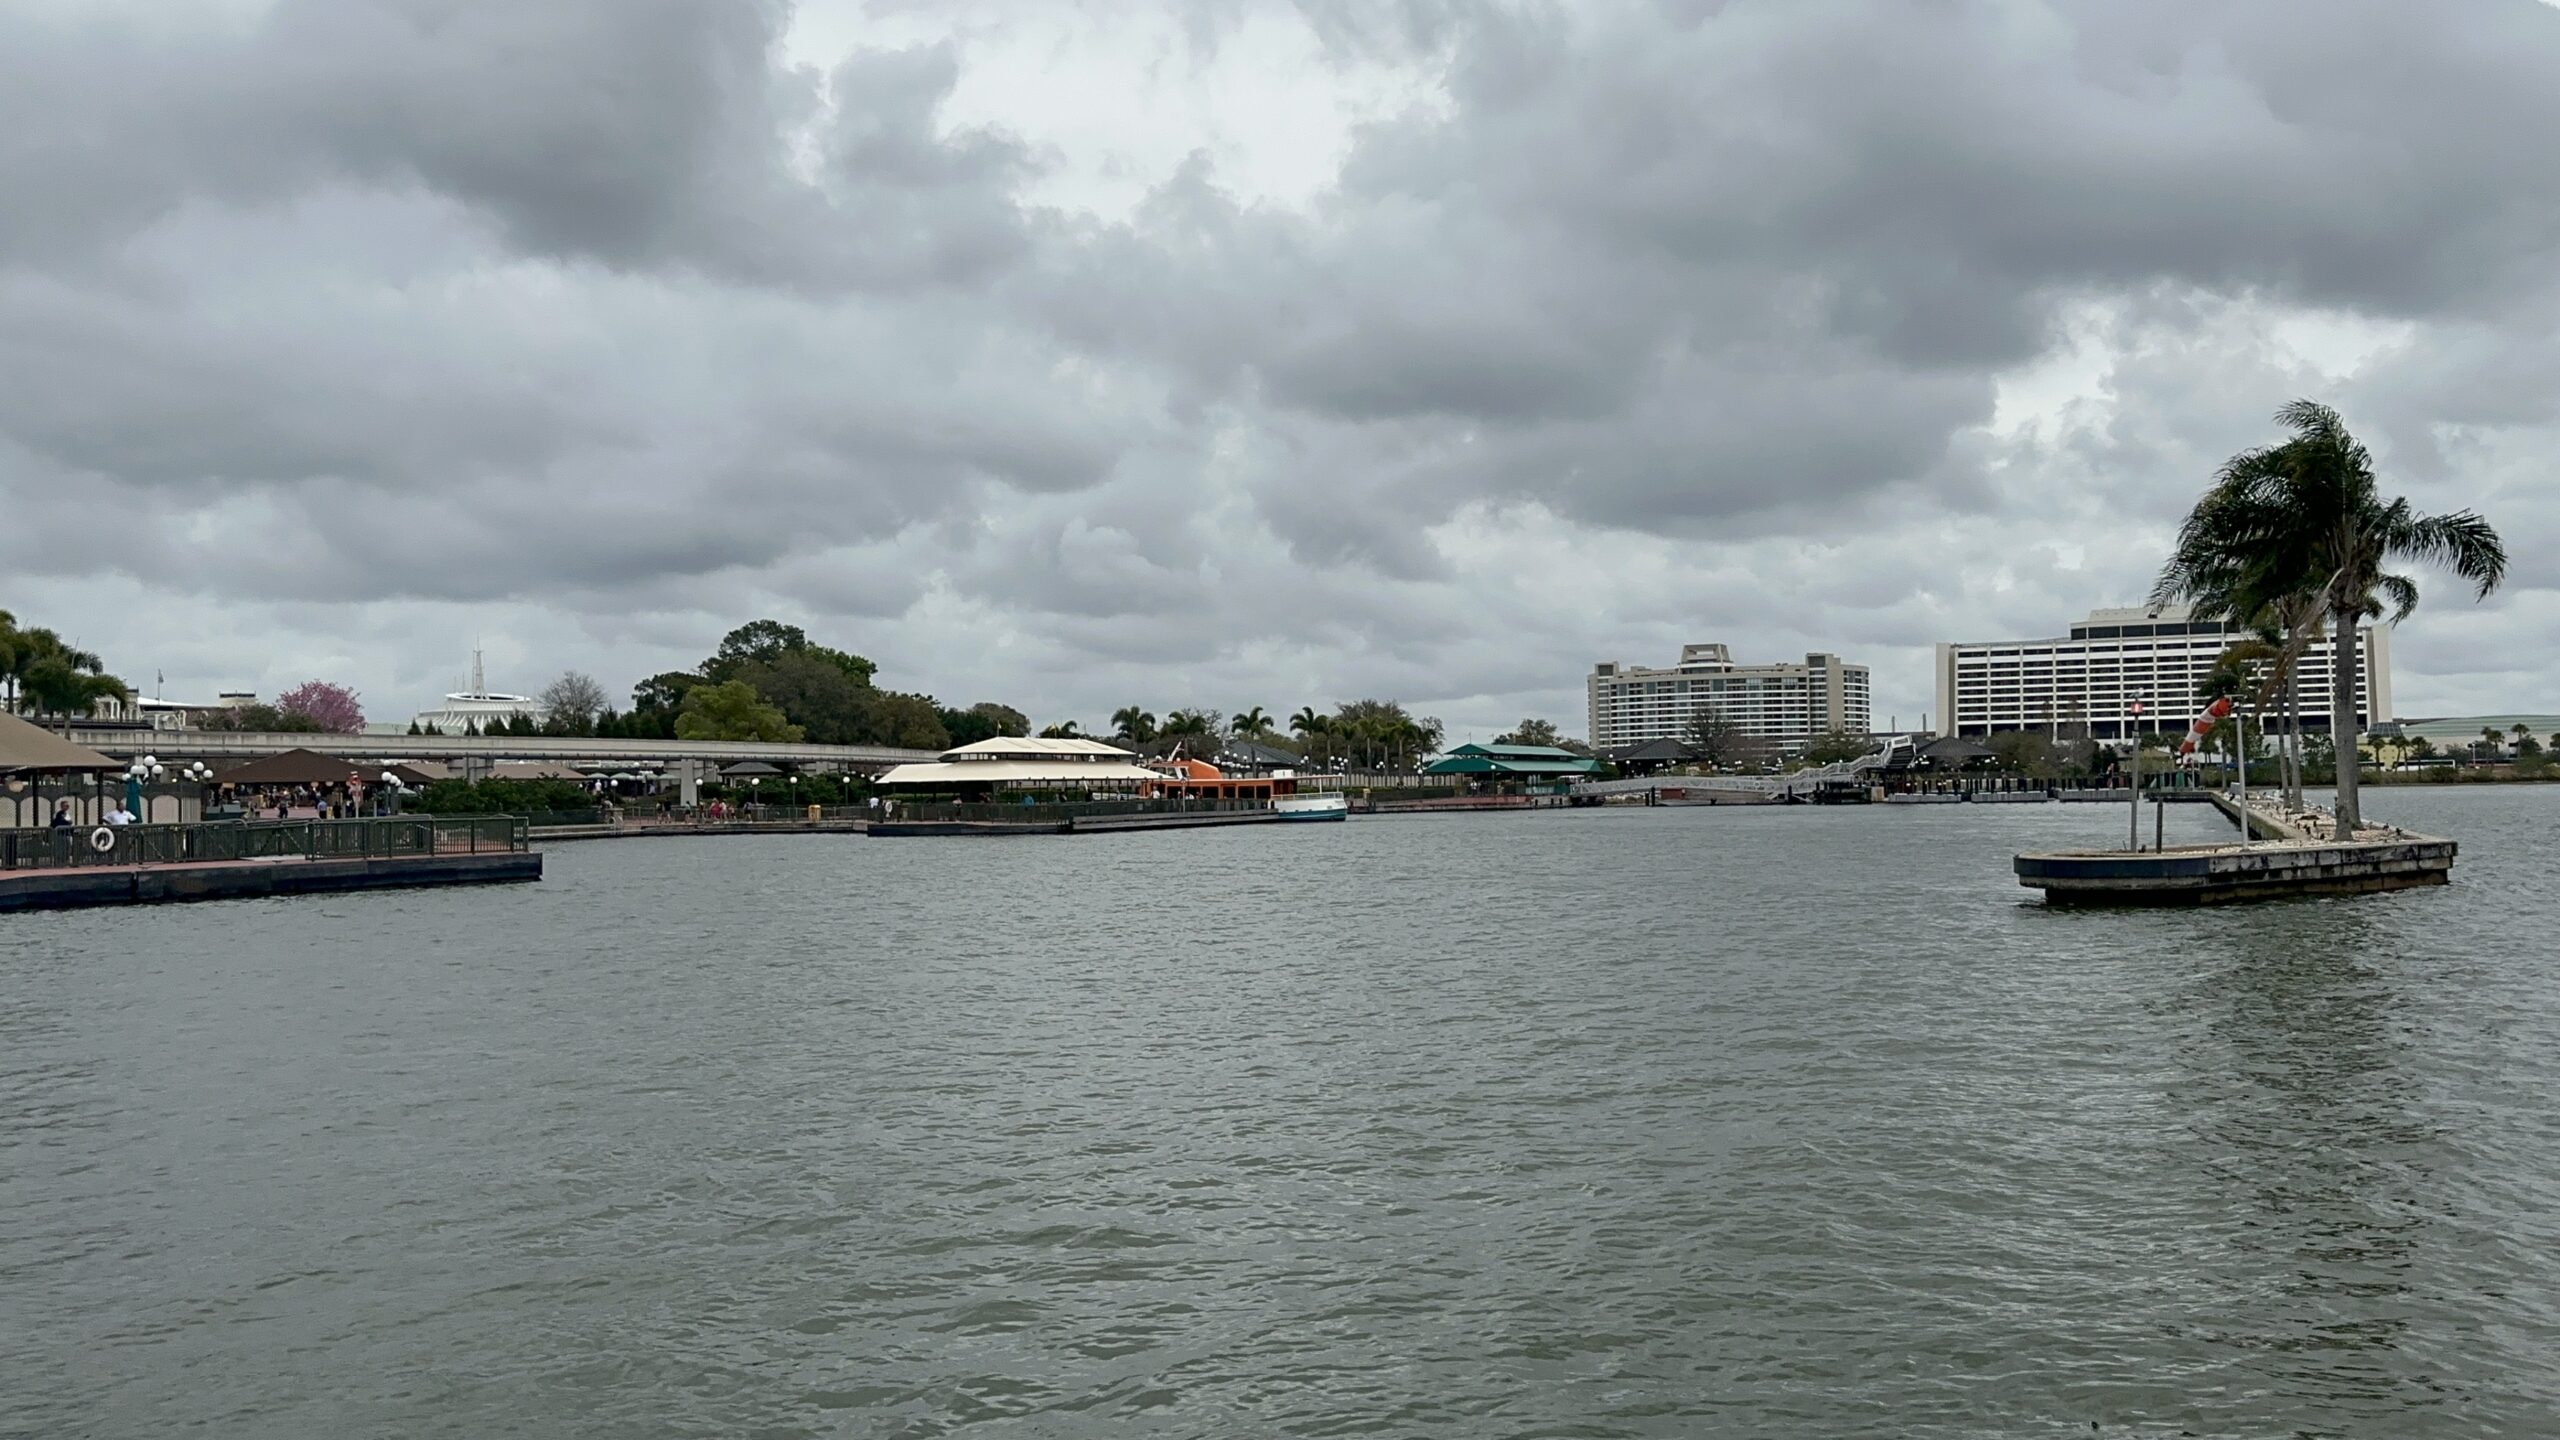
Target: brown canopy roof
x,y
25,747
298,767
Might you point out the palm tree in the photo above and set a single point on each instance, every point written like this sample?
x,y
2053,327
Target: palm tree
x,y
1133,724
1250,723
2304,523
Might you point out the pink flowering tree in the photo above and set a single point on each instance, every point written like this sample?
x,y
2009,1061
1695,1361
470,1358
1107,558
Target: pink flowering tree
x,y
331,707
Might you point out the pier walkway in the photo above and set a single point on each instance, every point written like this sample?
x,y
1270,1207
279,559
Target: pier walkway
x,y
142,864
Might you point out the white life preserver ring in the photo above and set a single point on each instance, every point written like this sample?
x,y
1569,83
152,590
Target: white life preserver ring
x,y
102,839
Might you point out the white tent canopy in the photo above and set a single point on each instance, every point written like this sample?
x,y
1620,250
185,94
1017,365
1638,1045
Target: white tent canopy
x,y
1025,761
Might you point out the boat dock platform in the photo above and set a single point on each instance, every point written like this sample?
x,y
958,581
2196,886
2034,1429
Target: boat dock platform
x,y
905,819
2288,853
153,864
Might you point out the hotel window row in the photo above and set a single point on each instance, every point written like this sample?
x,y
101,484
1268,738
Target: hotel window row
x,y
1789,704
2118,657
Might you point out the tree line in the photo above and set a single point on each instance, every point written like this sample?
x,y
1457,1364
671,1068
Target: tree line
x,y
1371,733
769,681
43,674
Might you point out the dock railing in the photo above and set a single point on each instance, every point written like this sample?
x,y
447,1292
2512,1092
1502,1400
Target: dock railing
x,y
379,837
995,812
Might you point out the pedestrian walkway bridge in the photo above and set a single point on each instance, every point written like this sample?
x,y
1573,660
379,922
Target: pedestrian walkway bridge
x,y
124,742
1797,785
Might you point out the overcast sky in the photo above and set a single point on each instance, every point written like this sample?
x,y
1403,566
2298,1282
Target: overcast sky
x,y
1239,352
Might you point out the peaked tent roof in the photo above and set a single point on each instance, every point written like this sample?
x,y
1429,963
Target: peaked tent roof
x,y
1666,750
297,767
747,767
1564,763
1254,752
25,747
1073,748
1954,750
1519,752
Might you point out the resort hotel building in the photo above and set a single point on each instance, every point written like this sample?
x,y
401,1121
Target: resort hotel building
x,y
1788,704
2093,676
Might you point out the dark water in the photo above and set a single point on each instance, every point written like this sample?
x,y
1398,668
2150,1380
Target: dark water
x,y
1676,1122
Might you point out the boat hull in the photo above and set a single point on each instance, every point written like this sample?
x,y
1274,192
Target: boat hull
x,y
1311,807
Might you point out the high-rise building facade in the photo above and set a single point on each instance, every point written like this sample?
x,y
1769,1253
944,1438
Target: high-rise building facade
x,y
1788,704
2114,658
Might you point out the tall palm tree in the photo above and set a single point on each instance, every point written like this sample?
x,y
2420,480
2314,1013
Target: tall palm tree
x,y
2303,524
1134,724
1250,723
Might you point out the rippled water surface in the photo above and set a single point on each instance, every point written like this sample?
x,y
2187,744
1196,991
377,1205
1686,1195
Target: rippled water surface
x,y
1671,1122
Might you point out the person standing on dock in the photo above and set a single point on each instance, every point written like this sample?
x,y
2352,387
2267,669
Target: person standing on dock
x,y
61,815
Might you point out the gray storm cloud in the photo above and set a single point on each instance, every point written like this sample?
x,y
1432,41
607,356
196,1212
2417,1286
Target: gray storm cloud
x,y
613,320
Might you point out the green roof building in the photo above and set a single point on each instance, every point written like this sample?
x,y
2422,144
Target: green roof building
x,y
1542,762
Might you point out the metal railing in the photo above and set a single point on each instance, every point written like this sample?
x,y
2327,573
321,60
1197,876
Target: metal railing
x,y
383,837
1039,814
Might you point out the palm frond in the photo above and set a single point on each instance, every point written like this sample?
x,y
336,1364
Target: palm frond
x,y
2461,542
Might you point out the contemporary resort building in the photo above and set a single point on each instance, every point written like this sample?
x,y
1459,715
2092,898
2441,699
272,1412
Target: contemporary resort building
x,y
2093,676
1787,704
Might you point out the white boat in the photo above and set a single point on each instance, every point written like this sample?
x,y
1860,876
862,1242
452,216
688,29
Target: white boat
x,y
1327,806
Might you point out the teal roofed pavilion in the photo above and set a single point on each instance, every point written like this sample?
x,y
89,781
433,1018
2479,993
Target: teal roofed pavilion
x,y
1522,760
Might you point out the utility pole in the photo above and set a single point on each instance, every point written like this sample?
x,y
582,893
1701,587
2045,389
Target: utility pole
x,y
2133,777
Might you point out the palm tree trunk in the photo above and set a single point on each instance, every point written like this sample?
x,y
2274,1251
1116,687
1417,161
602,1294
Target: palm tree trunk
x,y
2342,720
2292,736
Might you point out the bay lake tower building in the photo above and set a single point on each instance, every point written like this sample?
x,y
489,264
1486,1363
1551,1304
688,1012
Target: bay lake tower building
x,y
1788,704
2091,677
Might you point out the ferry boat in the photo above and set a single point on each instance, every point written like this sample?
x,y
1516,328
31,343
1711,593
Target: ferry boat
x,y
1328,805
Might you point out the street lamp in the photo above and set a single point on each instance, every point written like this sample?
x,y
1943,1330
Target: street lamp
x,y
391,793
197,773
142,771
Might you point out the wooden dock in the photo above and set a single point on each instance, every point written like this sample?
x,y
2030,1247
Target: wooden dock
x,y
2286,853
83,886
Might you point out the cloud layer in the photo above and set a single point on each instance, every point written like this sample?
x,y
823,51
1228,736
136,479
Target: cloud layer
x,y
1228,355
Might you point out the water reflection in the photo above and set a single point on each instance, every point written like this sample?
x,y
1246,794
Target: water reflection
x,y
2306,1097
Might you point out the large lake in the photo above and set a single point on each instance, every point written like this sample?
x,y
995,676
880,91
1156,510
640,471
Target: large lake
x,y
1773,1122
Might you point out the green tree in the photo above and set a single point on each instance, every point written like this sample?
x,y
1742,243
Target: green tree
x,y
1193,721
1005,719
911,722
766,642
1252,723
45,675
2306,518
731,710
1531,732
1133,724
1712,736
1837,746
1063,730
2024,752
820,698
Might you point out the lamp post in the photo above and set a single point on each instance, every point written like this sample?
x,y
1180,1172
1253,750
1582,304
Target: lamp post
x,y
755,787
198,774
141,772
390,793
